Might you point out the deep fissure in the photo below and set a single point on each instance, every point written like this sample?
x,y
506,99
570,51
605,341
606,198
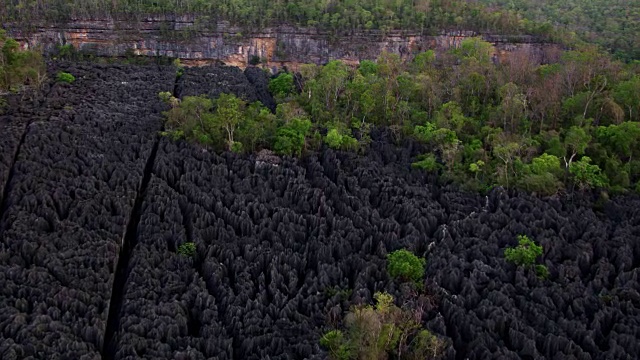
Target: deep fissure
x,y
129,242
7,184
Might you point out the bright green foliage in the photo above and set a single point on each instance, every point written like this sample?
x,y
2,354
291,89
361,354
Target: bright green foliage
x,y
426,162
187,249
382,331
624,139
291,138
65,77
334,138
337,139
525,253
545,163
476,167
404,265
586,175
281,86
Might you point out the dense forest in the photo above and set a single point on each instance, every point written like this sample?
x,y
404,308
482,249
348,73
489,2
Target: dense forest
x,y
570,124
426,16
613,24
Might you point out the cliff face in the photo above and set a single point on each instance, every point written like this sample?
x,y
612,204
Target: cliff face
x,y
275,47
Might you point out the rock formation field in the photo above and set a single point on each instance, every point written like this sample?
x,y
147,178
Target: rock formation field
x,y
95,204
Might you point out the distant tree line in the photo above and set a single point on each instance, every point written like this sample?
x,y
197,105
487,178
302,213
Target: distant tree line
x,y
572,123
427,16
613,24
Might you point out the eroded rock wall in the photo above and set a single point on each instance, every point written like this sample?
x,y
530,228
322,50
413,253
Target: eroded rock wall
x,y
200,44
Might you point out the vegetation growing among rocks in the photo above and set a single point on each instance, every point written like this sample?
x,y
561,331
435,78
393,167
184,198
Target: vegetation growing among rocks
x,y
100,214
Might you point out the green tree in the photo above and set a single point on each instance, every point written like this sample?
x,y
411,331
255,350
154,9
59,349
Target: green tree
x,y
627,93
257,128
576,141
194,119
228,115
525,254
586,175
381,332
291,137
404,265
281,86
542,176
507,152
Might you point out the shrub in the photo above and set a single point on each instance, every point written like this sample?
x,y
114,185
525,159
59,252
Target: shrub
x,y
405,265
542,271
187,249
66,51
426,162
525,253
65,77
254,60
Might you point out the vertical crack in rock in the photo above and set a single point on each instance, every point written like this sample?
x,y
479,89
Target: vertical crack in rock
x,y
128,244
7,184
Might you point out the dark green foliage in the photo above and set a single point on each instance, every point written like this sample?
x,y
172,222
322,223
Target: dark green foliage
x,y
404,265
426,16
281,86
67,52
254,60
525,253
542,271
65,77
187,249
291,138
339,348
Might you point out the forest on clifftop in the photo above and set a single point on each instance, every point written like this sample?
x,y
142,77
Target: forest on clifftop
x,y
613,25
